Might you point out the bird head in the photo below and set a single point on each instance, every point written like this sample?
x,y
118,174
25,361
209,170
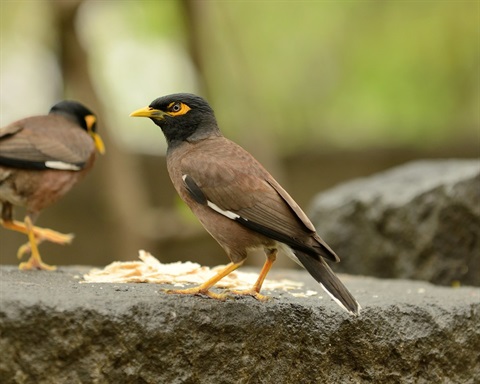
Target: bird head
x,y
182,117
81,115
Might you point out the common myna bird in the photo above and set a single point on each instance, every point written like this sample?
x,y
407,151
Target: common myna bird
x,y
41,158
237,201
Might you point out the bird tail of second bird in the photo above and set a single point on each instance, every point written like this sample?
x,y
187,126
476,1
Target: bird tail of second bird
x,y
321,272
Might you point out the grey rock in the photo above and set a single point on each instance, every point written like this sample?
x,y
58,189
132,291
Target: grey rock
x,y
55,329
416,221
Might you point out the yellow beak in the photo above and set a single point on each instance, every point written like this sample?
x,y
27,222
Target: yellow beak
x,y
148,112
90,121
98,142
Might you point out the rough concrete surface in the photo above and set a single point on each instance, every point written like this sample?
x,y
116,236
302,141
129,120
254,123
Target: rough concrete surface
x,y
420,220
54,329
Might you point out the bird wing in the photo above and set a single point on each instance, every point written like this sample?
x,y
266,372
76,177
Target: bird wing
x,y
45,142
230,181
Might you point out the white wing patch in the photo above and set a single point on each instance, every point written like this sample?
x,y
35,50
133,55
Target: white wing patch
x,y
229,214
60,165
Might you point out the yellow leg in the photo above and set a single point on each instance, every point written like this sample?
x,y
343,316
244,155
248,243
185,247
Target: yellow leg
x,y
35,262
204,289
40,233
255,290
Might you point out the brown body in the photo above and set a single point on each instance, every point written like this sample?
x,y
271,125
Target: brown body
x,y
37,189
188,159
237,182
41,159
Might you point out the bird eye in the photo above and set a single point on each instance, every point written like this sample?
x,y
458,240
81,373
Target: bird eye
x,y
177,108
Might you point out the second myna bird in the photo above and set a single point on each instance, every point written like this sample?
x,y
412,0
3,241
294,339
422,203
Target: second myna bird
x,y
41,159
238,202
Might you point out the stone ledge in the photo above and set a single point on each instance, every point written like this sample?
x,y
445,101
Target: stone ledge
x,y
56,330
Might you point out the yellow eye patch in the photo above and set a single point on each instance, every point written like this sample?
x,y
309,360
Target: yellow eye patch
x,y
90,120
177,108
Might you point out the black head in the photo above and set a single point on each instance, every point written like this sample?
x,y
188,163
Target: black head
x,y
77,112
182,117
82,116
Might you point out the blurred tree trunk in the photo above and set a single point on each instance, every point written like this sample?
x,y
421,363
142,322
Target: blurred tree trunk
x,y
201,26
119,190
193,13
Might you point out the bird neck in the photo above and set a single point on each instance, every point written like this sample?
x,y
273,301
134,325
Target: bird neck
x,y
189,132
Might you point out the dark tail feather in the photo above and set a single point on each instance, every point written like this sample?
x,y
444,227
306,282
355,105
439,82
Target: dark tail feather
x,y
321,272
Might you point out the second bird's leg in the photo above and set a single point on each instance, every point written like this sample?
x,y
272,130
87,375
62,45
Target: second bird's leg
x,y
204,289
255,290
35,261
40,233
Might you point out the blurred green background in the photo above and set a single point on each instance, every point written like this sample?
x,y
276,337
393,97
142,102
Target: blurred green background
x,y
320,92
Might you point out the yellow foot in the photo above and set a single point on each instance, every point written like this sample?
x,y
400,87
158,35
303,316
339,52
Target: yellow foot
x,y
251,292
53,236
34,263
40,233
24,249
199,292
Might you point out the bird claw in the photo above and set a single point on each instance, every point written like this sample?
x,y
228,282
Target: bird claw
x,y
36,236
24,249
33,263
251,292
197,291
41,234
53,236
